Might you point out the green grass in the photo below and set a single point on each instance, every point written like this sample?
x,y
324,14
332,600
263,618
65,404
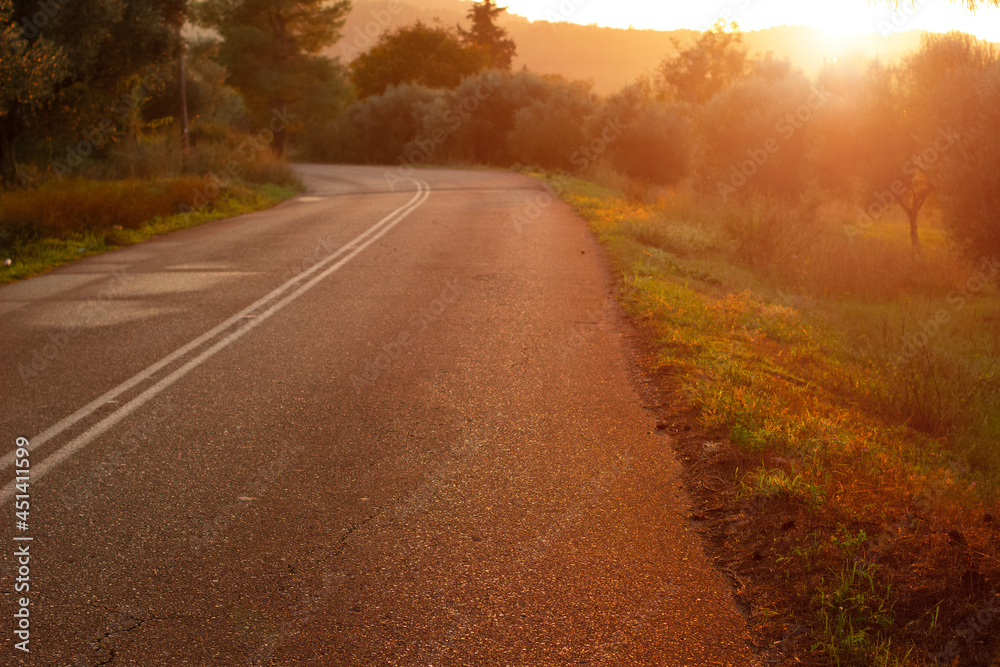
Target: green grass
x,y
58,224
797,361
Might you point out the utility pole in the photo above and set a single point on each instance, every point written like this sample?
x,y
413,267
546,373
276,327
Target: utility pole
x,y
182,82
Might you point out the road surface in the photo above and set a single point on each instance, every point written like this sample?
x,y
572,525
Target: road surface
x,y
389,422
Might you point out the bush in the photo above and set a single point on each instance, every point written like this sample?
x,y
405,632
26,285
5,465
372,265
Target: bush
x,y
549,132
651,138
380,127
233,156
477,118
756,137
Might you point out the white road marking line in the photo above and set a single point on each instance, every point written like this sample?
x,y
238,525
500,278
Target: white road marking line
x,y
355,247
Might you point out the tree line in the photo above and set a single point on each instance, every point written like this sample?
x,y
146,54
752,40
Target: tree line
x,y
732,125
82,79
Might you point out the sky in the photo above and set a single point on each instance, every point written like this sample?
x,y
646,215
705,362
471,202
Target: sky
x,y
835,16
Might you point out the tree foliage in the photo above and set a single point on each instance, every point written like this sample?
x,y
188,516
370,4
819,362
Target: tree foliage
x,y
485,34
898,138
699,72
73,59
420,54
647,139
967,103
549,131
757,136
271,51
29,72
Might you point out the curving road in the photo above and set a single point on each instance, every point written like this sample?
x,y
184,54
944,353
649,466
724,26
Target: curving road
x,y
390,422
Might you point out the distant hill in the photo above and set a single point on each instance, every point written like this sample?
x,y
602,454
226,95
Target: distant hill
x,y
609,57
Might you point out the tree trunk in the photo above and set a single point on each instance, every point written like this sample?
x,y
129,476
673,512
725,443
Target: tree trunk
x,y
182,81
8,166
917,199
912,213
278,144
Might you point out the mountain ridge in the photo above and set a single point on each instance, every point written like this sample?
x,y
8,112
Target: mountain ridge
x,y
608,57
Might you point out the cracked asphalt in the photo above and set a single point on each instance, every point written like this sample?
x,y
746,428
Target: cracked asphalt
x,y
435,453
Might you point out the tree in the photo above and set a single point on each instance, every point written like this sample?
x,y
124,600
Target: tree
x,y
969,181
901,143
381,126
29,72
433,57
270,48
212,105
888,155
714,63
487,35
549,131
648,139
100,47
757,137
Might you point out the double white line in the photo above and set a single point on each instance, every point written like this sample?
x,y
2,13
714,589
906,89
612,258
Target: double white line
x,y
273,302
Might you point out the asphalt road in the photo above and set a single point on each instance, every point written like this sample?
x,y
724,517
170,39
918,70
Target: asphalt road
x,y
370,426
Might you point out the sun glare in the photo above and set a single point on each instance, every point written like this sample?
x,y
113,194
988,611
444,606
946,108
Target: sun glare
x,y
849,17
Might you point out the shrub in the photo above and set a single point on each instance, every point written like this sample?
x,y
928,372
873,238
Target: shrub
x,y
381,126
549,132
650,138
756,137
478,117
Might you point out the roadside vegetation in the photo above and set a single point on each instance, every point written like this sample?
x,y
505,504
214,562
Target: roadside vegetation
x,y
96,150
816,263
848,483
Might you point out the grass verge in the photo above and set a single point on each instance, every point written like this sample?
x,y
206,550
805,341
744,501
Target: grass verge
x,y
855,532
60,223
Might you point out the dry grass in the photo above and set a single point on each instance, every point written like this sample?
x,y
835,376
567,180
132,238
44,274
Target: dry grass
x,y
84,220
57,210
